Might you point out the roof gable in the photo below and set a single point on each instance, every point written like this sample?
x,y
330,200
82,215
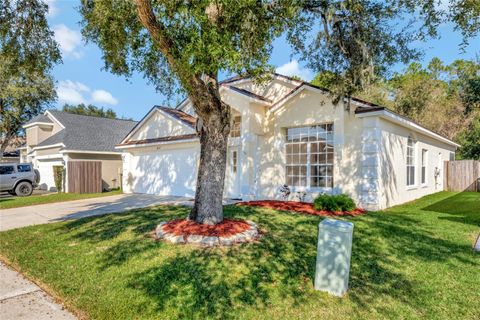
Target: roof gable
x,y
161,122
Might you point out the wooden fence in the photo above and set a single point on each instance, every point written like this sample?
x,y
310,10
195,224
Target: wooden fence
x,y
462,175
84,176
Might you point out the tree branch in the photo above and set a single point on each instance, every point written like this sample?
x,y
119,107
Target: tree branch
x,y
198,90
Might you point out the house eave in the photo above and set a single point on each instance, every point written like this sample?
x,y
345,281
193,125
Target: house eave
x,y
49,146
89,152
400,120
39,123
152,144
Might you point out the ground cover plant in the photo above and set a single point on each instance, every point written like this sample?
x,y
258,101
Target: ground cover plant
x,y
409,262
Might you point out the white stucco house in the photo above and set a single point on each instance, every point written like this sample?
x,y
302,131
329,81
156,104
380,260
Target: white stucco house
x,y
289,132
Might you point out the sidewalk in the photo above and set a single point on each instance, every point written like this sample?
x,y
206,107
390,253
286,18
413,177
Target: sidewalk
x,y
21,299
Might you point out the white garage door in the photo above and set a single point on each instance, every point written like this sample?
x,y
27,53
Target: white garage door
x,y
166,172
45,167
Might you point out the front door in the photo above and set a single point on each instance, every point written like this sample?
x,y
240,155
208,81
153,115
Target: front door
x,y
233,173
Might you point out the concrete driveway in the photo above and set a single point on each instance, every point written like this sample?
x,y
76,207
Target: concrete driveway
x,y
54,212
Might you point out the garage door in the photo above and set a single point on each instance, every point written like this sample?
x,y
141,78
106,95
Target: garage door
x,y
45,167
165,172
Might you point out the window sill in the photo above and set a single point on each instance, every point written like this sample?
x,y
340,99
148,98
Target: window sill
x,y
312,190
411,188
424,185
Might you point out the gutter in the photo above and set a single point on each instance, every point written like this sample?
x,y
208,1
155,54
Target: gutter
x,y
132,146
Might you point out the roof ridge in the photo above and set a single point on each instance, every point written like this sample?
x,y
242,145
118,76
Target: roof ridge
x,y
88,115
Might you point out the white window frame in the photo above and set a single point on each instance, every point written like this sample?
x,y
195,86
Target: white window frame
x,y
424,165
236,130
234,161
308,164
412,157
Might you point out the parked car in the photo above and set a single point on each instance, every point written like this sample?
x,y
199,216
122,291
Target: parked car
x,y
18,178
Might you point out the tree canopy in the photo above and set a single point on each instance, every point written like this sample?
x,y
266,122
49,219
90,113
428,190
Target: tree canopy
x,y
444,98
28,52
357,41
90,110
197,39
470,141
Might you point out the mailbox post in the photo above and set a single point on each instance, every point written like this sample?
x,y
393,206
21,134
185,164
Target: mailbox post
x,y
333,256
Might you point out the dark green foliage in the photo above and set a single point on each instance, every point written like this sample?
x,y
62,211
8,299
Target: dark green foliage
x,y
203,39
359,40
340,202
469,139
90,110
58,176
28,53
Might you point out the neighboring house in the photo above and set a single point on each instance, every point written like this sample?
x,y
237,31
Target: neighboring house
x,y
55,138
11,153
289,132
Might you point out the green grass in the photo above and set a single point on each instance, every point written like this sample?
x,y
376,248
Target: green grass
x,y
16,202
409,262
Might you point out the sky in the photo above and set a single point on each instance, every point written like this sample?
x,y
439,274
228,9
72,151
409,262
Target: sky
x,y
81,78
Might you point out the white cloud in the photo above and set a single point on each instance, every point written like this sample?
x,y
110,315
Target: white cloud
x,y
71,92
293,68
74,92
52,7
69,40
102,96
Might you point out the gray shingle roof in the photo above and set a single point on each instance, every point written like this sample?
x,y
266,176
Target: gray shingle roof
x,y
87,133
39,118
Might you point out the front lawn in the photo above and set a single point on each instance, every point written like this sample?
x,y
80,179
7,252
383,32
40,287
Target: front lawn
x,y
409,262
15,202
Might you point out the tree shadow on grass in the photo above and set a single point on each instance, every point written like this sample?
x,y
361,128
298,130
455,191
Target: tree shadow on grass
x,y
463,207
221,282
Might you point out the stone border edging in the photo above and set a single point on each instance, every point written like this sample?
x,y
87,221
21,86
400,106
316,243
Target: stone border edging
x,y
208,241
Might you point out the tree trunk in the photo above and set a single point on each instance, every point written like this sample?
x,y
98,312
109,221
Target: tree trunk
x,y
4,144
214,130
213,123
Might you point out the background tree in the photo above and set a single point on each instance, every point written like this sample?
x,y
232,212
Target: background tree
x,y
182,46
90,110
28,52
443,98
469,139
357,41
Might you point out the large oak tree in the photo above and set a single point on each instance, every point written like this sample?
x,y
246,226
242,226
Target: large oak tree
x,y
182,46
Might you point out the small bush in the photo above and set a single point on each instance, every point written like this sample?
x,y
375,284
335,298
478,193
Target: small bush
x,y
341,202
58,175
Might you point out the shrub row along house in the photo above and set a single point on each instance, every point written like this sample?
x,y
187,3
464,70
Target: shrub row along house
x,y
56,138
285,131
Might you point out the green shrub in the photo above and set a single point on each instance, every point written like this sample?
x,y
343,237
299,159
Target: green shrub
x,y
340,202
58,177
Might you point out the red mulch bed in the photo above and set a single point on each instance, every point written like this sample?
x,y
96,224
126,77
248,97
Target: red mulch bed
x,y
227,228
301,207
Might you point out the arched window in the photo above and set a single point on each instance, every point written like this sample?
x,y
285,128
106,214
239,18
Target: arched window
x,y
410,162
